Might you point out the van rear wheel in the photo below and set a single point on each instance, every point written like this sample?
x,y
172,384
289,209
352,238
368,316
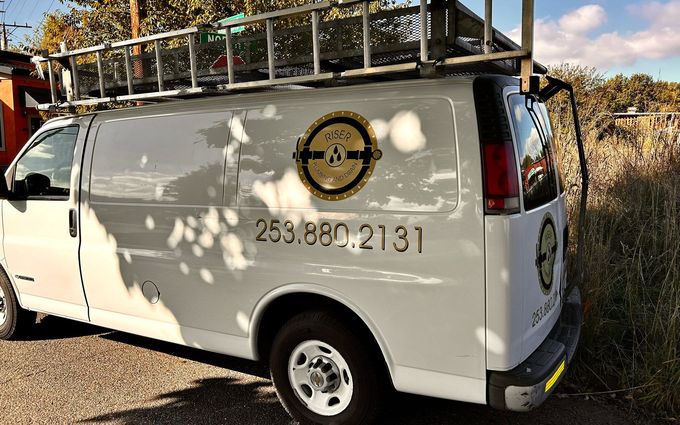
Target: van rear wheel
x,y
323,373
14,321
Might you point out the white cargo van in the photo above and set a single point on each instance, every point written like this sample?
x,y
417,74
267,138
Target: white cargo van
x,y
405,234
370,230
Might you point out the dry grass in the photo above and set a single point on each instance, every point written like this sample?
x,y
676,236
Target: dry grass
x,y
631,335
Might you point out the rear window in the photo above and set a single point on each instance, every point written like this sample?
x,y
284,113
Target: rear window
x,y
546,125
536,156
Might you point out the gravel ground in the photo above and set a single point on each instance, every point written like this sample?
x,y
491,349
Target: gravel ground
x,y
70,372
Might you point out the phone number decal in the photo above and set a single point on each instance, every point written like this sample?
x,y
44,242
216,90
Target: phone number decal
x,y
544,309
327,234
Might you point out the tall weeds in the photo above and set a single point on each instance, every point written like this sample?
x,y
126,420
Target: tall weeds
x,y
631,335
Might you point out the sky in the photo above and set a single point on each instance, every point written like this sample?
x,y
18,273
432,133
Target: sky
x,y
23,12
615,36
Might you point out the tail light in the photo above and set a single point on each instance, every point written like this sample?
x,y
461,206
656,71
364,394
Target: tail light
x,y
501,179
501,186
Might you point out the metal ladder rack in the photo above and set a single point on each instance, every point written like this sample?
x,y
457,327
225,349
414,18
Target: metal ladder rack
x,y
425,40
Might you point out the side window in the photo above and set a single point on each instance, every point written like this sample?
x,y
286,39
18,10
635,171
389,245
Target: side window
x,y
535,155
45,168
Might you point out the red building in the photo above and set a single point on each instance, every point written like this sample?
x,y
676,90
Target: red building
x,y
20,93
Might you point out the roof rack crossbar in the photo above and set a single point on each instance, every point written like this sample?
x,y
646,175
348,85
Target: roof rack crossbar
x,y
446,33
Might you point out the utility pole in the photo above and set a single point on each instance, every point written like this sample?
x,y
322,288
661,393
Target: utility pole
x,y
135,21
3,41
134,25
3,36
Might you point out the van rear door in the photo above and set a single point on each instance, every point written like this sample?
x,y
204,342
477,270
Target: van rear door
x,y
542,222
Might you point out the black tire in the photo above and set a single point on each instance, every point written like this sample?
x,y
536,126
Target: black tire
x,y
17,321
367,368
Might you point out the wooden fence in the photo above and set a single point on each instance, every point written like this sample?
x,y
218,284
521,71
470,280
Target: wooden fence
x,y
659,121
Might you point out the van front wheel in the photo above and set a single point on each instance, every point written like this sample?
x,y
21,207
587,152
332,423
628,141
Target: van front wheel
x,y
323,373
14,321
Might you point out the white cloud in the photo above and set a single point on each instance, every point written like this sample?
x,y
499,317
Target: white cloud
x,y
664,15
583,19
569,38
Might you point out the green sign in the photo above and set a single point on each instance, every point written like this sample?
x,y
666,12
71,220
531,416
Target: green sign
x,y
208,37
234,30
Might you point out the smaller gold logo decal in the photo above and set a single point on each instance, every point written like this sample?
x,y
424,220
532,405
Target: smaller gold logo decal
x,y
336,155
546,251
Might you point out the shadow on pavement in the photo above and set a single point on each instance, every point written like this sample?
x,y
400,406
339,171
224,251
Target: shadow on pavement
x,y
233,401
218,360
207,401
52,327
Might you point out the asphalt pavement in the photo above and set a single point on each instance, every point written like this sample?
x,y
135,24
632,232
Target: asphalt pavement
x,y
69,372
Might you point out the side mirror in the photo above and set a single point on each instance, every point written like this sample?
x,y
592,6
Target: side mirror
x,y
19,192
36,184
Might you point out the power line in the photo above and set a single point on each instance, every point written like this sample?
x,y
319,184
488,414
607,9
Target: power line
x,y
4,12
3,36
30,14
18,12
35,6
45,14
4,25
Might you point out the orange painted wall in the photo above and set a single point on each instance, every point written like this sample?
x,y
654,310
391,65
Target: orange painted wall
x,y
8,128
15,117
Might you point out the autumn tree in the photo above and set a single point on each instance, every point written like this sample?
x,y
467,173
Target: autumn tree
x,y
91,22
597,94
668,96
640,91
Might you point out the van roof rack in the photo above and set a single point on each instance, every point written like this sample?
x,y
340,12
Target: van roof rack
x,y
307,45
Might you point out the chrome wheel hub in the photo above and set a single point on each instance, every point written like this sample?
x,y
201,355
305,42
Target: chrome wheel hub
x,y
320,377
3,307
324,374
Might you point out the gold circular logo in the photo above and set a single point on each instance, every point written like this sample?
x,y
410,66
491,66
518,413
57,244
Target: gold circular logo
x,y
336,155
546,250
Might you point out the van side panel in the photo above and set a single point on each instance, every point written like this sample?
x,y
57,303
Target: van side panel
x,y
427,306
152,256
214,262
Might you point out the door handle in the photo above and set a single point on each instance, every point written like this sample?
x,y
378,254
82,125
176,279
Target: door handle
x,y
72,223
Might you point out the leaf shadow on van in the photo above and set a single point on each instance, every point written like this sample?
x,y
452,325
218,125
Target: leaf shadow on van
x,y
159,222
188,238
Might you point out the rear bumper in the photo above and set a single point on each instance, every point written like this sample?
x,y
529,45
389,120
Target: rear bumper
x,y
528,385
